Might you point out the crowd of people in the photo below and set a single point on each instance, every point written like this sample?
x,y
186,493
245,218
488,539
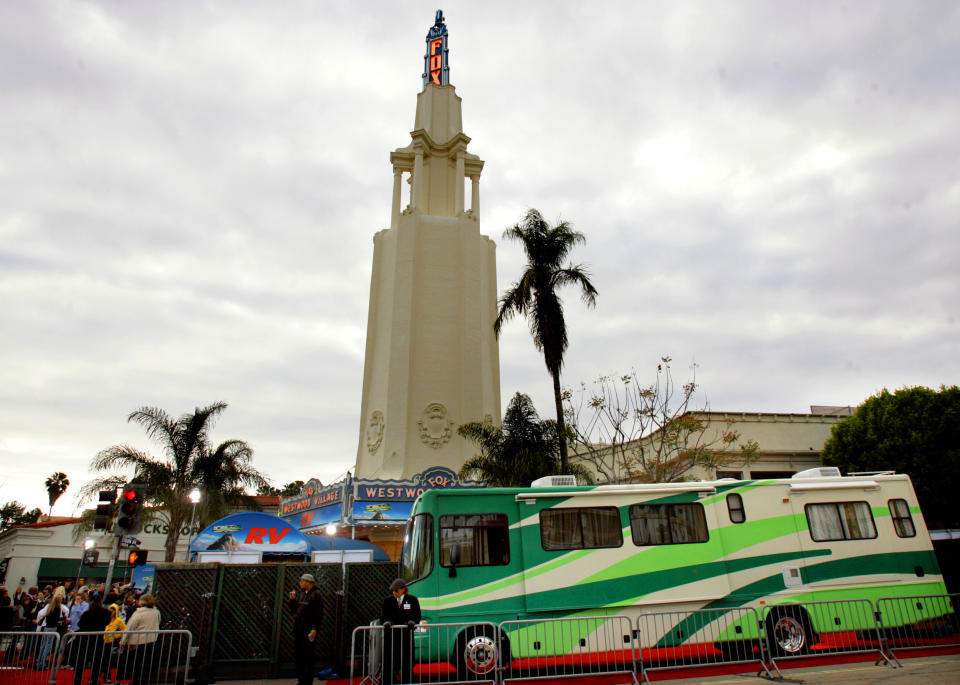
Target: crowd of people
x,y
118,614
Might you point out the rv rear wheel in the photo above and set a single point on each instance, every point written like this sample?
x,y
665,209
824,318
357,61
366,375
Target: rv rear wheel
x,y
480,651
788,631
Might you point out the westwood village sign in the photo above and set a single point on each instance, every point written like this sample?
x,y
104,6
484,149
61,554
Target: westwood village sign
x,y
359,502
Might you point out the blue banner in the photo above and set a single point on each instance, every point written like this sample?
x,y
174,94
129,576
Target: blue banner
x,y
251,531
382,511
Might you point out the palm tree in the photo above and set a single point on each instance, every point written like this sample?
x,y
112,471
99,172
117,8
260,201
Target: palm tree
x,y
536,297
56,485
189,461
523,449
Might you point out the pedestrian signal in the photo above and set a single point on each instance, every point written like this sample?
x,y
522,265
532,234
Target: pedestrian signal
x,y
129,509
137,557
90,557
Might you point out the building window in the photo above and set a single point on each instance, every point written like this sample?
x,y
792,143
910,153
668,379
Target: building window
x,y
586,528
770,475
735,508
668,524
902,520
840,521
482,539
736,475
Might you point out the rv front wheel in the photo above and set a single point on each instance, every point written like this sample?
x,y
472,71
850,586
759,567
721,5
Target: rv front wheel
x,y
479,653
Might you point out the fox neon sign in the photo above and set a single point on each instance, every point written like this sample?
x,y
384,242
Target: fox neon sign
x,y
436,68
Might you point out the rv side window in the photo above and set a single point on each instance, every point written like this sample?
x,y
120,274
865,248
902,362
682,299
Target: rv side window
x,y
668,524
482,539
902,520
840,521
735,508
587,528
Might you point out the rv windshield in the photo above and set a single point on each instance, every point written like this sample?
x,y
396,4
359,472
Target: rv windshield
x,y
416,559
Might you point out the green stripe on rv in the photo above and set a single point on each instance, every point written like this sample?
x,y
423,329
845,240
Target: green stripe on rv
x,y
515,579
668,557
874,564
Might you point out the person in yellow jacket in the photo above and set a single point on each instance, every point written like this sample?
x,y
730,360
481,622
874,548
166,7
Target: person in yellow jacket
x,y
116,625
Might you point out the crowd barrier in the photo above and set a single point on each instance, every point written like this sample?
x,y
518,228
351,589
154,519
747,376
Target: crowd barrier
x,y
569,647
918,622
435,653
686,639
820,628
142,657
29,658
611,645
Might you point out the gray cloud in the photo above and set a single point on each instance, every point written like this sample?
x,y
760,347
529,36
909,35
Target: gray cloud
x,y
188,195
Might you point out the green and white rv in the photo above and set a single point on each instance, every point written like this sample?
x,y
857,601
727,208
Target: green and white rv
x,y
490,555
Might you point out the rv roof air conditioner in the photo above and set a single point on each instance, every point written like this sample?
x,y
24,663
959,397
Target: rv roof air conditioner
x,y
819,472
554,482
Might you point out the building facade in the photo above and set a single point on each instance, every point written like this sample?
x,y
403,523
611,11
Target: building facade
x,y
786,444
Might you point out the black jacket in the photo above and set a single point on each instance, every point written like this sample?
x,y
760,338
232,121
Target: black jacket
x,y
308,608
94,620
400,613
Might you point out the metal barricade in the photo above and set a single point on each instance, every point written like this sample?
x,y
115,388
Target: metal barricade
x,y
568,647
824,627
437,652
141,656
29,658
919,622
682,639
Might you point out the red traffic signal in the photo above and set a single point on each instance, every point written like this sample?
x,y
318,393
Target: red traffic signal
x,y
131,504
137,557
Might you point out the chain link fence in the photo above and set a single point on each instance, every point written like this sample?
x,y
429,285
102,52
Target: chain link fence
x,y
240,621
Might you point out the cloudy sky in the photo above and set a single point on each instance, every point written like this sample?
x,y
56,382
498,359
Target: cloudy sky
x,y
189,190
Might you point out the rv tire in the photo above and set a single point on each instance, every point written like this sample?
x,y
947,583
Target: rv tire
x,y
480,652
789,632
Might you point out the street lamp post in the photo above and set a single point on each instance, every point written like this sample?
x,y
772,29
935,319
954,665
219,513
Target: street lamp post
x,y
89,543
331,530
194,497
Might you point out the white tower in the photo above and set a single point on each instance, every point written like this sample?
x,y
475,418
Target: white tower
x,y
432,361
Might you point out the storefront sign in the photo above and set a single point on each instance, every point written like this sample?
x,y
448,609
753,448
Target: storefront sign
x,y
366,500
314,496
436,67
251,532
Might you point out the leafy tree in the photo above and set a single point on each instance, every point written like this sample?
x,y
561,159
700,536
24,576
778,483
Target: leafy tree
x,y
189,461
629,431
56,485
536,295
523,449
915,431
15,514
288,490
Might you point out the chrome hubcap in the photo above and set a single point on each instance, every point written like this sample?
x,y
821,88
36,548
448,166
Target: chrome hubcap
x,y
480,654
788,634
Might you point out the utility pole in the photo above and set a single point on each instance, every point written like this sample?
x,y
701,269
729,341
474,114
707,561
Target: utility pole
x,y
113,561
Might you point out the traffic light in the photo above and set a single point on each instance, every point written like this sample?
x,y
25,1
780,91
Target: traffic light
x,y
90,557
137,557
105,509
129,508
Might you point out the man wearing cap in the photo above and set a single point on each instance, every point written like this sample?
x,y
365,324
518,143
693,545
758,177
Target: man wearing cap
x,y
307,605
399,609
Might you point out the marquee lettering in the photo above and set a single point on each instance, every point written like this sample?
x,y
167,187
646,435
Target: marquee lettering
x,y
435,67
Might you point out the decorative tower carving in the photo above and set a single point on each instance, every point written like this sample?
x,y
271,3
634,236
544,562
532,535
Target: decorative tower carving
x,y
432,361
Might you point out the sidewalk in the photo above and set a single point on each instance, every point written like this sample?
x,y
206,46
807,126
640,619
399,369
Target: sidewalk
x,y
928,670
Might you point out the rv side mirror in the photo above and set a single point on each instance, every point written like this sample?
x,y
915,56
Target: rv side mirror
x,y
454,560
